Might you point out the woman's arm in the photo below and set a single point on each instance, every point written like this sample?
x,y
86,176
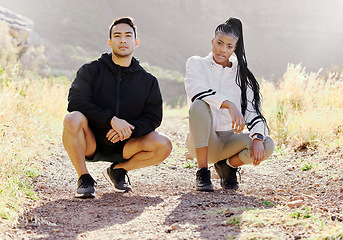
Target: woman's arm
x,y
254,122
236,116
197,86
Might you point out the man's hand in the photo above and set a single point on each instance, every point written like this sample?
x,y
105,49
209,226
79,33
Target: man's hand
x,y
257,152
112,136
236,116
121,130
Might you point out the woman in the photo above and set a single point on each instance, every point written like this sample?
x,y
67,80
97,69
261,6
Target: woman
x,y
225,97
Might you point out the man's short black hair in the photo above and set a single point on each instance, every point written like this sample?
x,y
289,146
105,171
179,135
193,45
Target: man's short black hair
x,y
127,20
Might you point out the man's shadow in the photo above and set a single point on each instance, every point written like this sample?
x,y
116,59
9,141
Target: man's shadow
x,y
68,218
212,215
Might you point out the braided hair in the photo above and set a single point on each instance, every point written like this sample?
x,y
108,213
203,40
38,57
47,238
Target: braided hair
x,y
245,78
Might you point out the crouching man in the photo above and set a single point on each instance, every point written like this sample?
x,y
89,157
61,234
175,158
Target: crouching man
x,y
114,108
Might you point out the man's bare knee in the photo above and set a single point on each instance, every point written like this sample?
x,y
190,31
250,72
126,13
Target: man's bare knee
x,y
73,121
162,146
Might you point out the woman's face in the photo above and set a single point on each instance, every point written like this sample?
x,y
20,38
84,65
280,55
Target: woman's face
x,y
223,45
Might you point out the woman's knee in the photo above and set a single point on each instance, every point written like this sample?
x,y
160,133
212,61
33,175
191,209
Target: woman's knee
x,y
74,120
268,147
268,151
198,108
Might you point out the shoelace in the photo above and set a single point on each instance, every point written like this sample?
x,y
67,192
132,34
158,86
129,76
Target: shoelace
x,y
128,179
239,173
121,177
88,182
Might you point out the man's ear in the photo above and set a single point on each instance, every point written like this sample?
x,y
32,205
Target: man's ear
x,y
137,42
109,42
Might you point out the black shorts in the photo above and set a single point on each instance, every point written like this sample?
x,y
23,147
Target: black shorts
x,y
108,153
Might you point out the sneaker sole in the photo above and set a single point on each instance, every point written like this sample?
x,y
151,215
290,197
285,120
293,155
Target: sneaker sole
x,y
233,187
85,195
205,189
105,173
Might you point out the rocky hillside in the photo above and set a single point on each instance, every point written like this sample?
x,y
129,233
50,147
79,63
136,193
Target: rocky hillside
x,y
276,33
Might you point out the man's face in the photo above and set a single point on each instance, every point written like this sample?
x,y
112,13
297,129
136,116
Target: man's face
x,y
223,46
123,41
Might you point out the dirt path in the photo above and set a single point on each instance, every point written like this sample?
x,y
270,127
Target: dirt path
x,y
164,204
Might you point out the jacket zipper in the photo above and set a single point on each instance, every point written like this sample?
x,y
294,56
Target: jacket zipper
x,y
118,91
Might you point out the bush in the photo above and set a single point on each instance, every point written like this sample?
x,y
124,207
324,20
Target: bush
x,y
304,109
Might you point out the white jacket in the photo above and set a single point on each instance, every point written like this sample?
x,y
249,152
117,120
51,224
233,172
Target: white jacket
x,y
208,81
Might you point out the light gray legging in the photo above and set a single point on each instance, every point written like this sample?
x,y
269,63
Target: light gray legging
x,y
221,145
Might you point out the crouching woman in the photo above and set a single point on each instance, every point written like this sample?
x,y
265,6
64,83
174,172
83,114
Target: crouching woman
x,y
224,97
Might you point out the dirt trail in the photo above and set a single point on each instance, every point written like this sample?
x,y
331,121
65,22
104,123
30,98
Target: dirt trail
x,y
164,204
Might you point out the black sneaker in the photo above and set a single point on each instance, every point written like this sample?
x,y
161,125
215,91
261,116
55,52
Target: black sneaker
x,y
228,175
116,178
85,187
203,180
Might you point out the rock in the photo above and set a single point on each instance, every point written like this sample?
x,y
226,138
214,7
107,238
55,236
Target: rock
x,y
295,204
228,213
188,156
175,227
224,223
334,218
215,175
324,209
290,167
20,27
296,198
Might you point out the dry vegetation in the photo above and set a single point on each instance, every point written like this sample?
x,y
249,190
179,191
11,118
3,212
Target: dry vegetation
x,y
304,111
31,110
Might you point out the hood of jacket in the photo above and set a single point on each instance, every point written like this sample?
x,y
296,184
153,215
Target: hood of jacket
x,y
134,66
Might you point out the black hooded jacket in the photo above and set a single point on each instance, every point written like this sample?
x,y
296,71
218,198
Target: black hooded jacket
x,y
103,89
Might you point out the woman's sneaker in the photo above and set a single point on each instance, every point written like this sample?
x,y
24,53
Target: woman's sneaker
x,y
228,175
85,187
116,177
203,180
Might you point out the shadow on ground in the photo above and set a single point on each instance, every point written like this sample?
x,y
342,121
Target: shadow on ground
x,y
70,218
213,215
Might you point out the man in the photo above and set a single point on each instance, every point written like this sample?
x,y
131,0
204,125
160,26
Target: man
x,y
114,108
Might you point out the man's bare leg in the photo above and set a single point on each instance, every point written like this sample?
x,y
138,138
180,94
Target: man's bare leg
x,y
78,140
145,151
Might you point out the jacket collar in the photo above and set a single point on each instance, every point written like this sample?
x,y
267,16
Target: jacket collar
x,y
134,66
233,59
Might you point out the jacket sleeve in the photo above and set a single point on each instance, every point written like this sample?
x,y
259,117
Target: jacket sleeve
x,y
80,95
197,87
151,116
253,121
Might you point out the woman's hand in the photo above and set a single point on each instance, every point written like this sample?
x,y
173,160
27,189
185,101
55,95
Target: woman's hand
x,y
257,152
236,116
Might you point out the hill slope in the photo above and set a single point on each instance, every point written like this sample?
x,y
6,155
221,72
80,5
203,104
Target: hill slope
x,y
276,33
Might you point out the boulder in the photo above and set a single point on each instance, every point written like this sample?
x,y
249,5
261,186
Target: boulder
x,y
20,27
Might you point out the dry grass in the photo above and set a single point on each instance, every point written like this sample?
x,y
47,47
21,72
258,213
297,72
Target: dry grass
x,y
304,110
276,221
31,113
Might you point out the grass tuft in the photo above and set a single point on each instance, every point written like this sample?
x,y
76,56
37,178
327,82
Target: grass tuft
x,y
31,112
305,110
